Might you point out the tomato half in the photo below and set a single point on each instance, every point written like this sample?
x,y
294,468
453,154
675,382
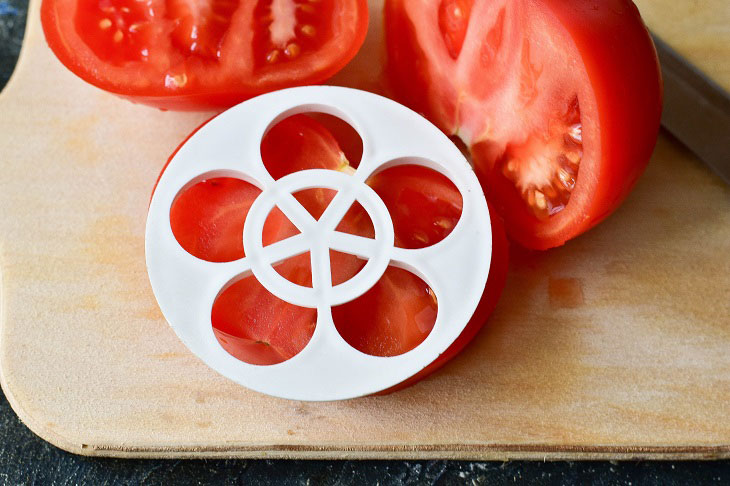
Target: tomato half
x,y
189,54
392,318
559,101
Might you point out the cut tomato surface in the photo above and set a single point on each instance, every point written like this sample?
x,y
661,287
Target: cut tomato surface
x,y
392,318
190,54
559,101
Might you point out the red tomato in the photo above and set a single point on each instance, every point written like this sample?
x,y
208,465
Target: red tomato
x,y
185,54
392,318
559,101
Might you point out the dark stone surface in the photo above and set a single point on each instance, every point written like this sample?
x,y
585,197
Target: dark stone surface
x,y
26,459
12,25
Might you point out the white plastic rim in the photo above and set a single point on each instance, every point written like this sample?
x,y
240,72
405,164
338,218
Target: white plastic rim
x,y
328,368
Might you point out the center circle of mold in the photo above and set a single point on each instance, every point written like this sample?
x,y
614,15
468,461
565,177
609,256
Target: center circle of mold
x,y
318,237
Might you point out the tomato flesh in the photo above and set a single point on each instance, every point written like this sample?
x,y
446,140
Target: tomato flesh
x,y
199,54
257,327
392,318
453,21
207,219
398,313
118,34
425,205
558,101
201,26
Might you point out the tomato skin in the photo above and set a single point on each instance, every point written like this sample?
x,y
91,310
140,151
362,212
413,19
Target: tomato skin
x,y
624,79
210,86
624,70
407,67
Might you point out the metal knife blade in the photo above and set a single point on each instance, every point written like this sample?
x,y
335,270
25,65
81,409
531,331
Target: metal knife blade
x,y
696,110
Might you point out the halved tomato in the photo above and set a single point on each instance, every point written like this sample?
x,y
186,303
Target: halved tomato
x,y
559,101
392,318
189,54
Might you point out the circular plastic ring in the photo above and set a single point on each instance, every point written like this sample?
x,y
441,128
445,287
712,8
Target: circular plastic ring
x,y
328,368
315,237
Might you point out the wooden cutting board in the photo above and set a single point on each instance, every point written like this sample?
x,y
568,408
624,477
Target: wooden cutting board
x,y
614,346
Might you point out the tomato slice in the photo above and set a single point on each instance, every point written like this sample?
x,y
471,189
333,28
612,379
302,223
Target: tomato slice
x,y
188,54
559,101
392,318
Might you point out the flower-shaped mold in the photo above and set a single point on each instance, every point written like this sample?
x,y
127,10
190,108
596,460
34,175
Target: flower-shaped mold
x,y
328,368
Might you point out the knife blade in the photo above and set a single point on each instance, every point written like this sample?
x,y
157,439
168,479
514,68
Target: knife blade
x,y
696,110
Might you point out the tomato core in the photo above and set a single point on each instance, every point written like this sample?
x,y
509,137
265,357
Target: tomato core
x,y
544,168
285,29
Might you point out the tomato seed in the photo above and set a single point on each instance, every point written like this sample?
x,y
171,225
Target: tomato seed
x,y
510,170
272,56
292,50
444,223
176,81
566,180
420,236
308,30
105,24
574,156
575,133
540,201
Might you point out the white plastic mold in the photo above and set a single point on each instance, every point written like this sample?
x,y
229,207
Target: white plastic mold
x,y
328,368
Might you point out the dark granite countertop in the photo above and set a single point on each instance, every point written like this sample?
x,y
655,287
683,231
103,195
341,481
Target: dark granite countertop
x,y
27,459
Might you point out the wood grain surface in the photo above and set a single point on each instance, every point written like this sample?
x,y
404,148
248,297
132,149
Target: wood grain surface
x,y
614,346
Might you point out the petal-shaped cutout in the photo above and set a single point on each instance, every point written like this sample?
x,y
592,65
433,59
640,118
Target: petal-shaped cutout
x,y
390,319
277,227
207,218
424,204
346,136
357,222
257,327
344,266
297,269
299,142
315,200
